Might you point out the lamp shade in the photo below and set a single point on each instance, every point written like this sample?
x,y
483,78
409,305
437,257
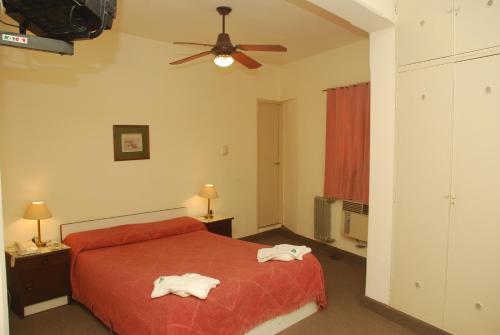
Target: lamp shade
x,y
37,211
208,191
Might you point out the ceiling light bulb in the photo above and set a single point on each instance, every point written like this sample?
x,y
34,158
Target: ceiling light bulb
x,y
223,60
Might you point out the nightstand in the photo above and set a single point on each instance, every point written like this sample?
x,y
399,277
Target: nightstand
x,y
38,282
219,224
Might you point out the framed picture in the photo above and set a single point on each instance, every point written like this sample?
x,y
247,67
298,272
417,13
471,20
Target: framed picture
x,y
130,142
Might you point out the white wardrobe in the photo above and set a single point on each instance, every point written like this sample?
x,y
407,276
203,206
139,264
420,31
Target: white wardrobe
x,y
446,247
431,29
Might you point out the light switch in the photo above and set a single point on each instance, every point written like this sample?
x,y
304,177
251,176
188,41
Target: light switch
x,y
224,150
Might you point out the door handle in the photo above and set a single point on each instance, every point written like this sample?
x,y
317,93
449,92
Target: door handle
x,y
276,163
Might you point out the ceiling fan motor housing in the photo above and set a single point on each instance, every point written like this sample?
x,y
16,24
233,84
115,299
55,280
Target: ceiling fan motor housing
x,y
223,45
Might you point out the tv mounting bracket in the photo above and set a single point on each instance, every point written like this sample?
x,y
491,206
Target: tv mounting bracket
x,y
24,41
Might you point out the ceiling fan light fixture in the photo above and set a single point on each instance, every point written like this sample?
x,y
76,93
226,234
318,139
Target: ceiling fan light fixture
x,y
223,60
224,50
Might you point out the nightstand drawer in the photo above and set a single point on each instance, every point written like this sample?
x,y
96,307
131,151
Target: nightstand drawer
x,y
222,227
45,261
219,224
37,287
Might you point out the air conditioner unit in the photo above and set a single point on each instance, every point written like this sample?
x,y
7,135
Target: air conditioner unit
x,y
355,220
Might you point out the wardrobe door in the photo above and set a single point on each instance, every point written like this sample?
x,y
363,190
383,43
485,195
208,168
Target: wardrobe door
x,y
477,24
423,178
473,289
425,30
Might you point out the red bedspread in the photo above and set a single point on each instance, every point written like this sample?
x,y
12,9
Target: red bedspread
x,y
113,272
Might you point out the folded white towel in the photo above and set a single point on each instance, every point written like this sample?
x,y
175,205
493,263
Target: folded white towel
x,y
184,286
282,252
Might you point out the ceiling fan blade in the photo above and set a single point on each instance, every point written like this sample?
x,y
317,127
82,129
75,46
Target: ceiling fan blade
x,y
261,47
245,60
184,60
190,43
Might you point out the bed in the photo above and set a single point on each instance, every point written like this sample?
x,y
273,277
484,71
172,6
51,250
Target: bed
x,y
113,269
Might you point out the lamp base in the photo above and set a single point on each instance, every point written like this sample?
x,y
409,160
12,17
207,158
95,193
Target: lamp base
x,y
38,242
209,214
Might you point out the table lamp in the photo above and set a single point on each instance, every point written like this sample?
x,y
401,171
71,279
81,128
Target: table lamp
x,y
209,192
38,210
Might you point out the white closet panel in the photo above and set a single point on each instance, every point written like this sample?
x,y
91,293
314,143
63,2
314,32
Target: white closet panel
x,y
425,103
477,24
473,288
425,30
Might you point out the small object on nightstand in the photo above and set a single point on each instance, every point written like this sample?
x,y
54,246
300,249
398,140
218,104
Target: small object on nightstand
x,y
38,282
218,224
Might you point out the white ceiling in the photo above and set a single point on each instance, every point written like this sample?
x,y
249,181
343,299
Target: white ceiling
x,y
303,28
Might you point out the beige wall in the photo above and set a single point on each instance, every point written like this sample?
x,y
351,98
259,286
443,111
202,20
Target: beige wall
x,y
56,117
304,117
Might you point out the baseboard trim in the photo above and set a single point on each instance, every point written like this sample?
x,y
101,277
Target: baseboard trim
x,y
334,251
401,318
270,227
45,305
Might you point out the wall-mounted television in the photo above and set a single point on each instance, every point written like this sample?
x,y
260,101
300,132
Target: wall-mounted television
x,y
66,20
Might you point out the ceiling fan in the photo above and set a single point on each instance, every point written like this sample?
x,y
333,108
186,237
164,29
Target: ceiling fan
x,y
225,52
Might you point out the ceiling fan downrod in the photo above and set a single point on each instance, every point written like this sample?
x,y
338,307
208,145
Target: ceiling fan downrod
x,y
224,10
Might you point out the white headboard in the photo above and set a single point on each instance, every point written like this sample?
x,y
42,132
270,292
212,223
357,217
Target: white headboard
x,y
162,214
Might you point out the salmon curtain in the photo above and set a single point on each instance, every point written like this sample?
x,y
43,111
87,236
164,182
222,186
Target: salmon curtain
x,y
347,159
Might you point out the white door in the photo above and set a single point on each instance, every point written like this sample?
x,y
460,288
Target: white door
x,y
473,290
425,30
477,24
269,165
423,150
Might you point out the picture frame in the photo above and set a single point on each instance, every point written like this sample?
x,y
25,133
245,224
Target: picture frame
x,y
131,142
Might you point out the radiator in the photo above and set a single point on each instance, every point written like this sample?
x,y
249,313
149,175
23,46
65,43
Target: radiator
x,y
322,219
355,219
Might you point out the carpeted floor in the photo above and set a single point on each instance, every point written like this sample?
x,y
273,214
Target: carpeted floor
x,y
344,280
